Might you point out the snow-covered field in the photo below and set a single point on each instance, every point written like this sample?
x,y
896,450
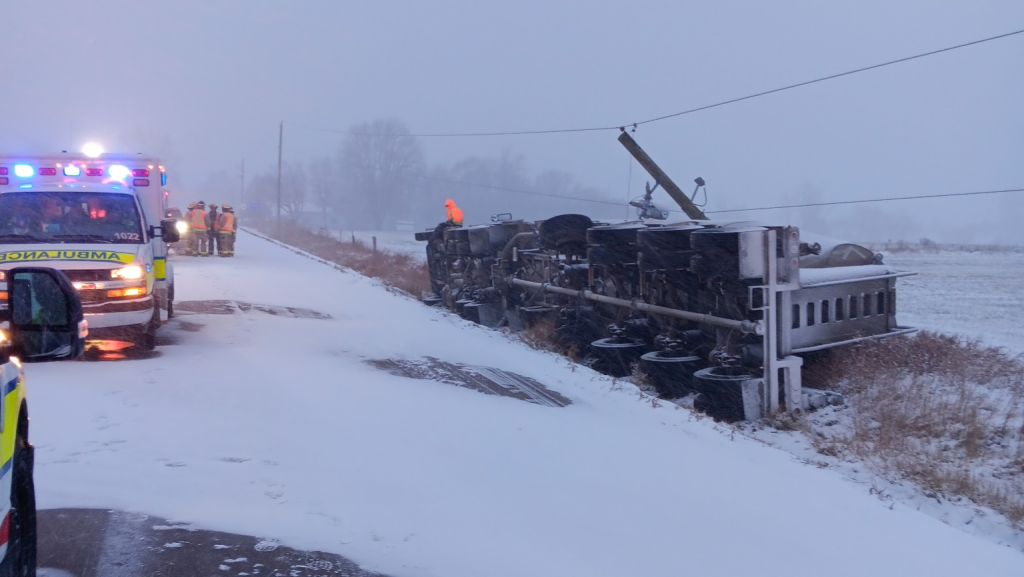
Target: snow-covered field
x,y
979,295
391,240
275,426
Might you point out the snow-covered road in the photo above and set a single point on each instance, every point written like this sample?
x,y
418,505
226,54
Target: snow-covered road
x,y
275,426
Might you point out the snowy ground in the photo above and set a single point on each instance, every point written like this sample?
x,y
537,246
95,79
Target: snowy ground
x,y
391,240
274,425
975,294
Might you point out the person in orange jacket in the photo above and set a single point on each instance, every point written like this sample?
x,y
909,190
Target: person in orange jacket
x,y
197,226
227,226
454,213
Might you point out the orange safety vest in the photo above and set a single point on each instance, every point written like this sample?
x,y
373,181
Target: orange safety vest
x,y
226,222
198,221
455,215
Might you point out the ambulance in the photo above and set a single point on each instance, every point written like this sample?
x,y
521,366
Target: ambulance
x,y
100,220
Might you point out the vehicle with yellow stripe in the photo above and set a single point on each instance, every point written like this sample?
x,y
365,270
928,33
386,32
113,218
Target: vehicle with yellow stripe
x,y
40,320
100,221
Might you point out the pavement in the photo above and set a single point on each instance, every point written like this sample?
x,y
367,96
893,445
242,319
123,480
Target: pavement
x,y
103,543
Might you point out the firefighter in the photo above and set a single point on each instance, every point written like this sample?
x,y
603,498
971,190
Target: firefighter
x,y
227,226
197,226
211,229
454,213
187,236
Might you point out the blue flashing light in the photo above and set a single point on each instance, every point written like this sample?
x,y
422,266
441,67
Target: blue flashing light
x,y
25,186
72,170
119,172
24,171
116,187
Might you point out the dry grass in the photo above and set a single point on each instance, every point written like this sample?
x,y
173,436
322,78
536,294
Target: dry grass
x,y
944,412
393,269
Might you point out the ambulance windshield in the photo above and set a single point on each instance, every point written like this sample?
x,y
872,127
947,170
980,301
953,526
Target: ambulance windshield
x,y
69,217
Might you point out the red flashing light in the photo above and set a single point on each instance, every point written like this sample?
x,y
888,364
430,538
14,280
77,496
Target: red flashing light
x,y
140,172
3,171
140,182
47,172
98,213
3,180
94,172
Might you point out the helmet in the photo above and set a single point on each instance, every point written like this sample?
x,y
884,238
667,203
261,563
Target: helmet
x,y
191,205
226,207
449,203
213,205
201,203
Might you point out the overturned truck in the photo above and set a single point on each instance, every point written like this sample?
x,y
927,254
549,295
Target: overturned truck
x,y
721,310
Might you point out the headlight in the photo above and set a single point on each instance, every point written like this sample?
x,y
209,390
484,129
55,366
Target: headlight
x,y
182,226
130,272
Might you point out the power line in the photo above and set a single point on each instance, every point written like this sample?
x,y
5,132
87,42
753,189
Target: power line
x,y
805,205
866,200
831,77
516,190
684,112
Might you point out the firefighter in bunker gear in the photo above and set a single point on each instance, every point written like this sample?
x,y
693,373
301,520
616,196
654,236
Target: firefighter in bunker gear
x,y
211,229
227,225
454,213
197,224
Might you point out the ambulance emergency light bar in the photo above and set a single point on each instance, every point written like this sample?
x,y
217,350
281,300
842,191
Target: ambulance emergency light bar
x,y
117,172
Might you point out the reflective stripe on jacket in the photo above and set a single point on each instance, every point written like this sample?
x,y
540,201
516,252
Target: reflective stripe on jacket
x,y
226,222
198,220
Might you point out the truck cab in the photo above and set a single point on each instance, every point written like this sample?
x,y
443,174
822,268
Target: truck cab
x,y
102,223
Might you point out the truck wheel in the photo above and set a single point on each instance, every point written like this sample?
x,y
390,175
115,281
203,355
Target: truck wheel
x,y
616,356
21,547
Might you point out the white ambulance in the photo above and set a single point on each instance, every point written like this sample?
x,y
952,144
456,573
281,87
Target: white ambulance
x,y
100,221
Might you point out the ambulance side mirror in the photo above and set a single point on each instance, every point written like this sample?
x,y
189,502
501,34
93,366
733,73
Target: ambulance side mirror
x,y
169,230
46,318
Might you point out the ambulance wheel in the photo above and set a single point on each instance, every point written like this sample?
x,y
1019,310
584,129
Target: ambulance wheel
x,y
20,560
147,341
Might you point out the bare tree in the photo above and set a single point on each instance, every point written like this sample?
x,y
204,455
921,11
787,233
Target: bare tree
x,y
377,160
322,183
293,188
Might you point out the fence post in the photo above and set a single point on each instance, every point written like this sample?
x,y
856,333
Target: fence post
x,y
353,238
374,244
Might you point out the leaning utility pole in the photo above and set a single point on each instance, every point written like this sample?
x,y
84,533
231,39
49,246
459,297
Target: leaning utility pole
x,y
280,145
661,178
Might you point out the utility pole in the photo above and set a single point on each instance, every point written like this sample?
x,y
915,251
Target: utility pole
x,y
280,146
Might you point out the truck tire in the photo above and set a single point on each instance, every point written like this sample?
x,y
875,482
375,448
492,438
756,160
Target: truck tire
x,y
21,546
616,356
565,231
671,372
614,234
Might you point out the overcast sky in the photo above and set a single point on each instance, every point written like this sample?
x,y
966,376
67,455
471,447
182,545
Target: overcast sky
x,y
204,84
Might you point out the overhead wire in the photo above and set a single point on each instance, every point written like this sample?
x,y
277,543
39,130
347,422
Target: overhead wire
x,y
867,200
778,207
623,126
516,190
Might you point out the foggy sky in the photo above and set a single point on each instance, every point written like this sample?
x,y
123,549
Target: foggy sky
x,y
204,84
